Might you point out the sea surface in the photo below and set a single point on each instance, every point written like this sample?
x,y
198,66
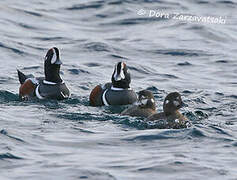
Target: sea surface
x,y
67,140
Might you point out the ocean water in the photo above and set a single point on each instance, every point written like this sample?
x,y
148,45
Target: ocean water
x,y
71,140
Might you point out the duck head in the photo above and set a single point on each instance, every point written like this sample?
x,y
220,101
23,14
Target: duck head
x,y
121,77
52,65
172,103
146,99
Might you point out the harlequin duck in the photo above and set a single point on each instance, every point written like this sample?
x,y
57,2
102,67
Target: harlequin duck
x,y
49,87
146,105
171,117
116,93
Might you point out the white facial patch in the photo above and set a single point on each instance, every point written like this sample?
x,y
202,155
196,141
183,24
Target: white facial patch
x,y
167,101
54,58
144,101
176,103
120,76
179,98
176,120
152,100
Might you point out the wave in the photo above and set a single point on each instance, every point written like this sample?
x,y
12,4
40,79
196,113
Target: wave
x,y
180,52
15,50
5,133
94,5
97,46
9,156
6,96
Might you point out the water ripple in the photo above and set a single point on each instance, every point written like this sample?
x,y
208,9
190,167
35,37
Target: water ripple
x,y
6,96
9,156
179,52
94,5
33,13
97,46
77,71
5,133
17,51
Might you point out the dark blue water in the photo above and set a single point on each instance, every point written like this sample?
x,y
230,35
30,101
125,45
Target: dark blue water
x,y
69,139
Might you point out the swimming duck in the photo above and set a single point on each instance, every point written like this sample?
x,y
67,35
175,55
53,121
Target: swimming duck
x,y
118,92
171,117
146,105
49,87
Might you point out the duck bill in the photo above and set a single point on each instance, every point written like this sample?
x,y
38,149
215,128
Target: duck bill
x,y
58,62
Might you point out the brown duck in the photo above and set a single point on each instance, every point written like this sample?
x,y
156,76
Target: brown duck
x,y
171,117
145,108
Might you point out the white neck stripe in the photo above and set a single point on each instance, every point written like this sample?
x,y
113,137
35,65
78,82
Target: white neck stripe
x,y
119,89
51,83
48,82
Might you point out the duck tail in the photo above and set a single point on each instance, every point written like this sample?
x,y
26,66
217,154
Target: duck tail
x,y
22,77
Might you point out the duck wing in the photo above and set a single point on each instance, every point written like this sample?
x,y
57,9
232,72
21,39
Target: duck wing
x,y
157,116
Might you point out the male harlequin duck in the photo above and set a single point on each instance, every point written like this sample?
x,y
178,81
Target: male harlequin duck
x,y
146,105
49,87
116,93
171,117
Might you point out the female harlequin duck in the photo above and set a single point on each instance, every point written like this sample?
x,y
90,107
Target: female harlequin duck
x,y
171,117
49,87
116,93
146,105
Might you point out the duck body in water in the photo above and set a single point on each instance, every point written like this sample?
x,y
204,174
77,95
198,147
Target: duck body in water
x,y
49,87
